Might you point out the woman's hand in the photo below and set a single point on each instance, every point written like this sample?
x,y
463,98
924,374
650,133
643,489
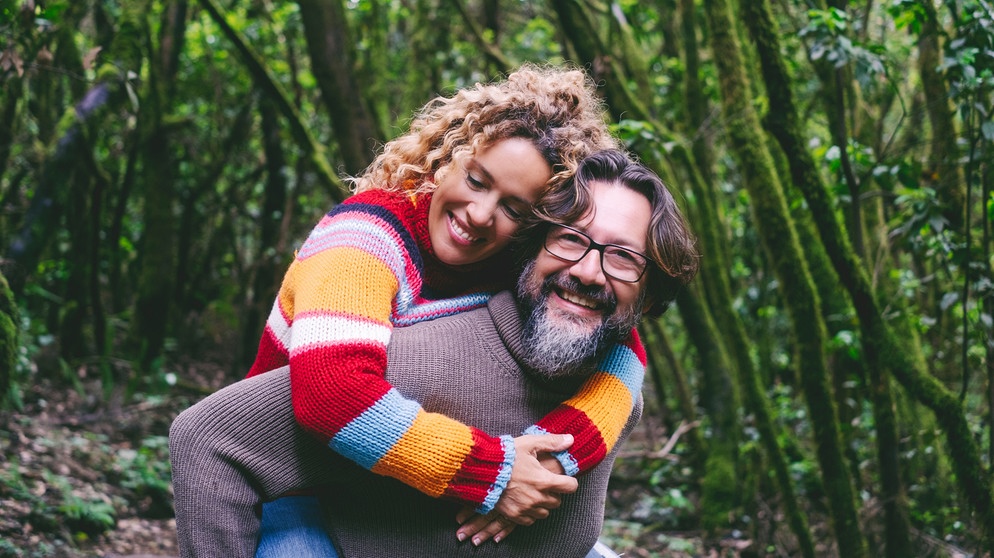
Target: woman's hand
x,y
535,487
482,528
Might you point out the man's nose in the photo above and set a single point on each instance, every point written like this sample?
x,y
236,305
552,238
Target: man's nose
x,y
588,270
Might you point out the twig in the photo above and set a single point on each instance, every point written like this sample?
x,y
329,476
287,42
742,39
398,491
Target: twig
x,y
671,442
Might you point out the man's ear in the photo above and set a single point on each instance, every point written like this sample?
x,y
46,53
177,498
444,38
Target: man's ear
x,y
651,307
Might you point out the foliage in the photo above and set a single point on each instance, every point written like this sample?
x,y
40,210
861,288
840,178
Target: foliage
x,y
74,189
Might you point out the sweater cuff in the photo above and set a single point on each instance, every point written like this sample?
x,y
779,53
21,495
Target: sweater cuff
x,y
565,458
503,477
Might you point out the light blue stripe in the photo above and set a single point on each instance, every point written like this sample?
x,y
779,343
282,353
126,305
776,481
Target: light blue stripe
x,y
565,458
414,313
503,476
622,363
368,437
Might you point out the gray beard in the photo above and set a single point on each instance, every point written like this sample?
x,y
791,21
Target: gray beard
x,y
561,348
554,351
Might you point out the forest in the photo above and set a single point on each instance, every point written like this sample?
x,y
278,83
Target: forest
x,y
824,387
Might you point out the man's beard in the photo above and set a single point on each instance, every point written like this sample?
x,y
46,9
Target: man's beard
x,y
565,346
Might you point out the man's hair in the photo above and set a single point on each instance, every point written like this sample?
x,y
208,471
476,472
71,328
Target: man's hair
x,y
557,109
669,244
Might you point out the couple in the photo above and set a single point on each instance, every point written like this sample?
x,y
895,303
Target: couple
x,y
604,240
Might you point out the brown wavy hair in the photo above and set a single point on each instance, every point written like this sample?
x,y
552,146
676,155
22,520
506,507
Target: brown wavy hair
x,y
670,244
556,108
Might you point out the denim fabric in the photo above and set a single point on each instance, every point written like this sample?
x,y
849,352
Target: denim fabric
x,y
292,527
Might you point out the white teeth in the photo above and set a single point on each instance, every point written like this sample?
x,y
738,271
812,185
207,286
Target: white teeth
x,y
575,299
459,231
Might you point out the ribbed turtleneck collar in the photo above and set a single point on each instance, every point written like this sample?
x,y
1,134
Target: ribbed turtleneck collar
x,y
509,325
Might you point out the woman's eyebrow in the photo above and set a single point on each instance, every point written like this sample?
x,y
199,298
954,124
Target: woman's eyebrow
x,y
476,165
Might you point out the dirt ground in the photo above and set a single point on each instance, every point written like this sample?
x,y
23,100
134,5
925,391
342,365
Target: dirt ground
x,y
75,460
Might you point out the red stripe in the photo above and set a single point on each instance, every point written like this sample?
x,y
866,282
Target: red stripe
x,y
332,386
479,471
588,446
635,344
269,356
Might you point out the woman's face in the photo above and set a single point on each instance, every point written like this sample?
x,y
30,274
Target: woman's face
x,y
478,204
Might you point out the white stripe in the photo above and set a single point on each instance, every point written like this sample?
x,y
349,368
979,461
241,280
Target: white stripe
x,y
321,330
279,326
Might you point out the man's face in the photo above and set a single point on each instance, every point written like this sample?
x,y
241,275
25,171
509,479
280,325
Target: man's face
x,y
574,309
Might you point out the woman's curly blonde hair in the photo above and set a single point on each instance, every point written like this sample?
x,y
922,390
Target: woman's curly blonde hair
x,y
555,108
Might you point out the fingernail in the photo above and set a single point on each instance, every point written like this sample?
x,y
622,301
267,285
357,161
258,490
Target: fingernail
x,y
476,541
461,536
497,538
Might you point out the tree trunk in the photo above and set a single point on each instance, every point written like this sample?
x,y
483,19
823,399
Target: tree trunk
x,y
8,338
269,262
780,241
784,126
943,160
298,129
155,306
330,47
880,343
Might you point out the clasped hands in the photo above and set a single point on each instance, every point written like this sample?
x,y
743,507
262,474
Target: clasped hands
x,y
536,486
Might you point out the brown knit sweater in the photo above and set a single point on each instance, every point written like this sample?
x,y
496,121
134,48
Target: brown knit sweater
x,y
242,444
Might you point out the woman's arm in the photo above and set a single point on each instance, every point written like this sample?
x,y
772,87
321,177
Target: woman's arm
x,y
334,323
597,414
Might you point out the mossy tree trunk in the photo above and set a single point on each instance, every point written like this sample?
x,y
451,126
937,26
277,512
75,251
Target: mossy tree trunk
x,y
943,159
155,305
769,208
784,125
330,48
591,51
8,338
301,133
270,261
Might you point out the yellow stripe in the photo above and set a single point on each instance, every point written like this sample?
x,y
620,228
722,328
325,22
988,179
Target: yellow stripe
x,y
346,280
604,398
429,454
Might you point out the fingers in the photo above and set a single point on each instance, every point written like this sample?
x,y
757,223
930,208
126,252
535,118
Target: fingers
x,y
536,443
482,528
525,514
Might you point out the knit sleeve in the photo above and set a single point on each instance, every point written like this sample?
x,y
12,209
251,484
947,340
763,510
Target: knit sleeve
x,y
341,290
597,414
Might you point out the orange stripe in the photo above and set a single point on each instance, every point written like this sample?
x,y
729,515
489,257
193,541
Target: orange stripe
x,y
346,280
603,398
429,454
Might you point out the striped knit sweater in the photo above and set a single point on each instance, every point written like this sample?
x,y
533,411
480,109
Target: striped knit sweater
x,y
366,267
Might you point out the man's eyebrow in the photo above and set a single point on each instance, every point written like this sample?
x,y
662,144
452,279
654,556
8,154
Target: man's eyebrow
x,y
626,243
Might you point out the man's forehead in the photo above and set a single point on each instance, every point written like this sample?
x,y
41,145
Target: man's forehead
x,y
617,215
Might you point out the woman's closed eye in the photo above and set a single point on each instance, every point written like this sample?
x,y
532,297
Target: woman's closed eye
x,y
513,212
475,183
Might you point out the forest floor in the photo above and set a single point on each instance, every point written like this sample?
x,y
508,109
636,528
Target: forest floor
x,y
83,474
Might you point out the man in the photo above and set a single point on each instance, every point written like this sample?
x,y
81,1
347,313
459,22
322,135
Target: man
x,y
622,248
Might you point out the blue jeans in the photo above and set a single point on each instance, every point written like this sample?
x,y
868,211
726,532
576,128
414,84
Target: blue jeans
x,y
293,527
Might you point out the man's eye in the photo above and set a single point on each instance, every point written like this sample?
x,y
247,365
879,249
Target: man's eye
x,y
622,255
571,238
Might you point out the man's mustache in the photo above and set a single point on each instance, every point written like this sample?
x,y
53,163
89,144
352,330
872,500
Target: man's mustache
x,y
565,281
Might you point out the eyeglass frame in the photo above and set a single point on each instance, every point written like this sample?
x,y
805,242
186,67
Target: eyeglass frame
x,y
594,245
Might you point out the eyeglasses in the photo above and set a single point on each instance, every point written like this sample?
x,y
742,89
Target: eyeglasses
x,y
618,262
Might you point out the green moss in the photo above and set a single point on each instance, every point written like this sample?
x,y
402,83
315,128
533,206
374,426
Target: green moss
x,y
720,489
8,336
